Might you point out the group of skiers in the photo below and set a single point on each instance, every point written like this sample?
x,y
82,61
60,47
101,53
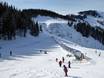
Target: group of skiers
x,y
65,69
10,53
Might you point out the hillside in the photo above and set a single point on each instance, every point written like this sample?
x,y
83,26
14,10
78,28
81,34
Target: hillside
x,y
29,61
14,22
88,23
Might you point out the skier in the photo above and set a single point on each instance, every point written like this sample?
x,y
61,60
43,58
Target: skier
x,y
45,52
63,59
60,63
40,51
56,59
100,54
65,70
10,53
69,64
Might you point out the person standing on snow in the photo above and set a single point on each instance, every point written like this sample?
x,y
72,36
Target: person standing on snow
x,y
63,59
69,63
65,70
60,63
56,59
100,54
45,52
10,53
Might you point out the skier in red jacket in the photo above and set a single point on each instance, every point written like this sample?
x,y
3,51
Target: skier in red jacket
x,y
65,70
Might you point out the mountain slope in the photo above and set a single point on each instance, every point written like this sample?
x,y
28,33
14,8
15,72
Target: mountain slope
x,y
29,60
61,29
34,57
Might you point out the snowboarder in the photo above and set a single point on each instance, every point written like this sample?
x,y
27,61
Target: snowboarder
x,y
10,53
69,63
56,59
63,59
60,63
65,70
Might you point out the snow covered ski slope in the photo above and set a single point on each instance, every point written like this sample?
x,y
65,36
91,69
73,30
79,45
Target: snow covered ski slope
x,y
30,61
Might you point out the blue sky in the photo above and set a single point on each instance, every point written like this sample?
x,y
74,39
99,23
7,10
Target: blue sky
x,y
61,6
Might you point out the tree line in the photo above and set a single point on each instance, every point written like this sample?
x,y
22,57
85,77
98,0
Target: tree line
x,y
15,22
87,30
90,12
43,12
